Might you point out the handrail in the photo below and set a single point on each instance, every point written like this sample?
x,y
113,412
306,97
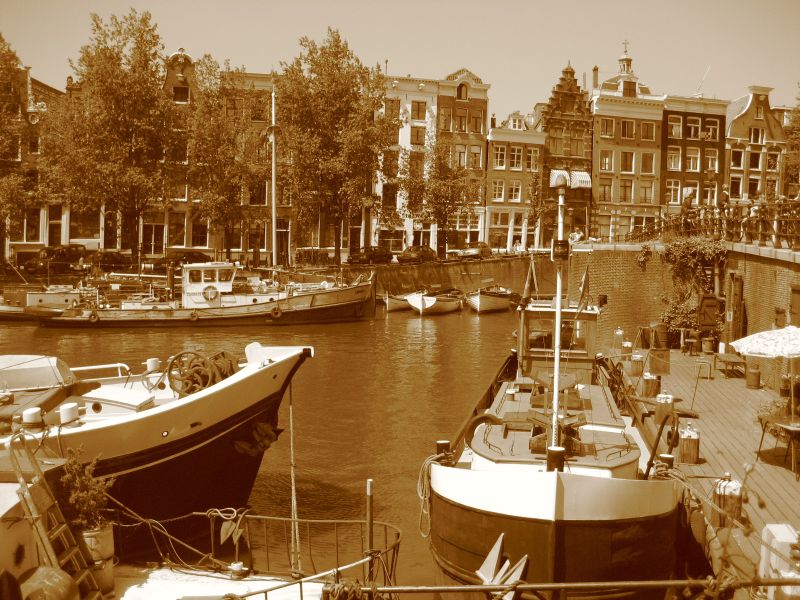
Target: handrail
x,y
122,368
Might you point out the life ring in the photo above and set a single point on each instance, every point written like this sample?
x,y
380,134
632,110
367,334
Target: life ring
x,y
93,317
193,316
210,293
276,312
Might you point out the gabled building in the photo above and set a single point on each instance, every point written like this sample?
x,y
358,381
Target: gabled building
x,y
566,120
626,152
755,145
513,182
693,151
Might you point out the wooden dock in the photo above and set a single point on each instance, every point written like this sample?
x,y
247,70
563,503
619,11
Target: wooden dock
x,y
729,437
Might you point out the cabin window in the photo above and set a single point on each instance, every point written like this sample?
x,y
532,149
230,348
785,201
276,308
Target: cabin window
x,y
226,274
195,276
209,275
540,335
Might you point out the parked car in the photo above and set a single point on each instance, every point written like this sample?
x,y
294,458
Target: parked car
x,y
417,254
107,261
55,259
476,250
178,258
371,255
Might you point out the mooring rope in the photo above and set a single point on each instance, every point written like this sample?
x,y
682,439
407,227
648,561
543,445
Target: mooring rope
x,y
424,494
296,565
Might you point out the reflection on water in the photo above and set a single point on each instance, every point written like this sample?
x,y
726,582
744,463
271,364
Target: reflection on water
x,y
370,404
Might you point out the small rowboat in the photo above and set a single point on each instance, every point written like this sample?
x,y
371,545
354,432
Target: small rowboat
x,y
438,303
491,298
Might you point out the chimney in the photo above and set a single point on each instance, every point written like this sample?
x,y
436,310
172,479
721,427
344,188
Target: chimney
x,y
493,122
594,77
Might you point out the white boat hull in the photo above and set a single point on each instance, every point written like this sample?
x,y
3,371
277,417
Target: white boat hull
x,y
433,305
485,301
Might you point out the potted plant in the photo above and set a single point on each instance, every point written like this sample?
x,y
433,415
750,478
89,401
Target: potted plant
x,y
86,509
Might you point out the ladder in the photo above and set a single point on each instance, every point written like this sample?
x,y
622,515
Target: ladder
x,y
53,533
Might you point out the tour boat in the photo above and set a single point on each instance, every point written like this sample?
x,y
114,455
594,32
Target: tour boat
x,y
491,298
215,294
180,437
434,303
548,461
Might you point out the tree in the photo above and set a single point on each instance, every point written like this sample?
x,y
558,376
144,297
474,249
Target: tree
x,y
792,164
14,189
331,132
227,153
106,142
438,186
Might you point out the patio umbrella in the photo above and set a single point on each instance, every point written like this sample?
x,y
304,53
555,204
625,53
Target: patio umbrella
x,y
773,343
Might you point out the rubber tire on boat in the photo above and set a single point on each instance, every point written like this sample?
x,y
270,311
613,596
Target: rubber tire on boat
x,y
93,317
193,316
276,312
210,293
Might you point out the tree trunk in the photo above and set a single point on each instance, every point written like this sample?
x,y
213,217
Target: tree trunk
x,y
3,246
337,242
441,241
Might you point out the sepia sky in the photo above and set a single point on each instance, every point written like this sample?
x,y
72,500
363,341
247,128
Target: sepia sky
x,y
519,47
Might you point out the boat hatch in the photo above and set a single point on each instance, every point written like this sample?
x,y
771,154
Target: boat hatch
x,y
33,372
134,400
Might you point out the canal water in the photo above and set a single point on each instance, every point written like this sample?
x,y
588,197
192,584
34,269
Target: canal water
x,y
369,405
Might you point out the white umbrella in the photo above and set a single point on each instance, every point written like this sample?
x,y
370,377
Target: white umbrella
x,y
773,343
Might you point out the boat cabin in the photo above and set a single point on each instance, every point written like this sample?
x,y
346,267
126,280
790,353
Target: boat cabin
x,y
204,283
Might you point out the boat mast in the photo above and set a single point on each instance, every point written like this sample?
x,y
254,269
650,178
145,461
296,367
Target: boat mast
x,y
274,211
559,252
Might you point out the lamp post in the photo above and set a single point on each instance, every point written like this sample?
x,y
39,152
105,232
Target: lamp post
x,y
559,252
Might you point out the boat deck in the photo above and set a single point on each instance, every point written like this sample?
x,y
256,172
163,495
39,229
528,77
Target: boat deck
x,y
729,437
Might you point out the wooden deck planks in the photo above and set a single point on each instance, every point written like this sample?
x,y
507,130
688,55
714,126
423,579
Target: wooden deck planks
x,y
729,437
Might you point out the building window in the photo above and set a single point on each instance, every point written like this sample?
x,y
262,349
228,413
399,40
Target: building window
x,y
418,136
626,162
461,156
692,128
646,192
754,161
712,161
693,159
607,128
625,190
461,120
515,191
690,190
516,123
773,159
756,135
176,229
476,122
648,163
710,194
629,89
199,233
673,191
418,110
531,159
461,93
391,107
648,130
759,112
475,157
606,160
604,190
628,129
498,189
753,185
445,116
180,94
737,159
674,158
674,127
499,157
712,129
515,160
27,229
736,186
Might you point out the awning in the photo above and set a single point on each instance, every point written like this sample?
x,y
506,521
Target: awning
x,y
554,175
581,179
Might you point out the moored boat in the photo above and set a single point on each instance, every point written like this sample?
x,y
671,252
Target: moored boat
x,y
396,302
216,294
490,298
175,439
428,303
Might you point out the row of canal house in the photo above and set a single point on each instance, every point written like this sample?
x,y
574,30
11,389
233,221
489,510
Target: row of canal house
x,y
631,156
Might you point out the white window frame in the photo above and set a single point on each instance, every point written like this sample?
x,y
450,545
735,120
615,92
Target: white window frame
x,y
621,187
672,153
644,197
532,159
712,160
695,185
473,152
606,161
712,129
632,167
516,123
605,130
760,112
692,128
675,127
737,154
642,164
461,155
756,135
777,156
732,190
498,190
758,186
499,161
673,191
515,191
515,158
632,132
693,160
750,156
710,194
644,126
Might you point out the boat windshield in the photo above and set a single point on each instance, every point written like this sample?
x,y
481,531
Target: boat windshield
x,y
541,335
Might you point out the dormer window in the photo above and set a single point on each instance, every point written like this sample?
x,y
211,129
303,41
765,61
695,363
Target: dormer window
x,y
516,123
180,94
461,92
759,112
629,89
